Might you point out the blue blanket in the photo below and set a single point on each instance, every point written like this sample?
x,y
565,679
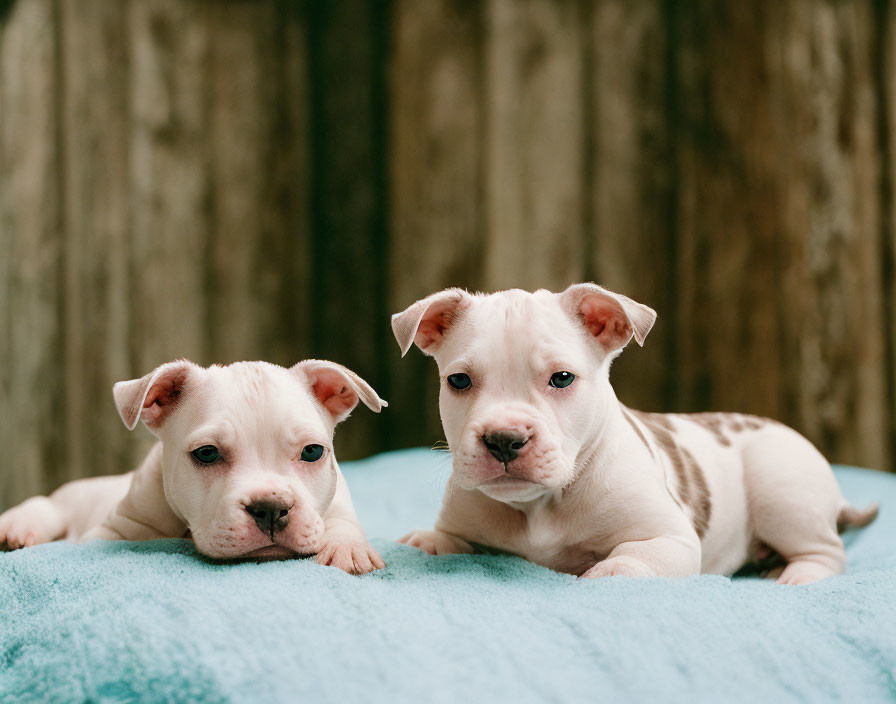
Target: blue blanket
x,y
153,622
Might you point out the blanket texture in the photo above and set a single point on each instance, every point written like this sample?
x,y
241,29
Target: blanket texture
x,y
154,622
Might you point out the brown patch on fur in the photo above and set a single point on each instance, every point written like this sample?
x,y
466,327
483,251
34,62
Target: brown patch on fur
x,y
632,422
692,486
702,505
714,423
720,423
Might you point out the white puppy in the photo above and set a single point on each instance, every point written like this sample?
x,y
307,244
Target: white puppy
x,y
244,467
549,465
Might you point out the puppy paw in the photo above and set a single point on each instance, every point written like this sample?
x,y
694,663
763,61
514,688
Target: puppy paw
x,y
436,543
804,572
352,556
620,566
31,523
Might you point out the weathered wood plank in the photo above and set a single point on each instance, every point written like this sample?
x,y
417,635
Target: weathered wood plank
x,y
7,269
779,308
885,48
30,196
95,57
240,113
831,295
252,256
348,302
632,230
286,275
535,163
727,224
170,185
436,223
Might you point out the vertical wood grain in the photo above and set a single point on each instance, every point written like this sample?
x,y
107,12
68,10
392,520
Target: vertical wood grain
x,y
831,298
30,194
436,223
534,181
631,245
285,275
252,213
728,227
239,126
885,56
272,179
93,75
348,304
257,132
170,185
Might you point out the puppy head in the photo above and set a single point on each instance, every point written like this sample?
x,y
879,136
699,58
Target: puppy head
x,y
247,449
524,379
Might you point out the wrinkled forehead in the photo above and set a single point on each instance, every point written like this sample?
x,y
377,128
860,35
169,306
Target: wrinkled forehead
x,y
515,328
256,399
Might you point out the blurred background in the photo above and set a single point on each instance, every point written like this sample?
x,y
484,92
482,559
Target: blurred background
x,y
272,179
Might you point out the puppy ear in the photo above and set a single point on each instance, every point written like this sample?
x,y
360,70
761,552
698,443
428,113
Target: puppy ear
x,y
610,317
427,321
152,397
338,389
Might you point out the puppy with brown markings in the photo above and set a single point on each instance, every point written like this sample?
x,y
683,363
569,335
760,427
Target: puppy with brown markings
x,y
244,466
549,465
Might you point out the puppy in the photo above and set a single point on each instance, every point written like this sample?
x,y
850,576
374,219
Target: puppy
x,y
549,465
244,466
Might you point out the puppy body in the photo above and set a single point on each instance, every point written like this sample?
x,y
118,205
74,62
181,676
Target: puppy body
x,y
570,478
273,489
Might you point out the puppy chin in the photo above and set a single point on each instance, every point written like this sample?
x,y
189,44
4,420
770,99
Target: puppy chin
x,y
488,475
270,552
248,543
511,489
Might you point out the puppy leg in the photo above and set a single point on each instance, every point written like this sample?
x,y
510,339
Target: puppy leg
x,y
664,556
435,542
794,501
143,511
35,521
345,545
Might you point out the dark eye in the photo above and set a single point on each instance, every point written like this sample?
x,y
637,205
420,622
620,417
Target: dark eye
x,y
459,381
207,454
312,453
560,380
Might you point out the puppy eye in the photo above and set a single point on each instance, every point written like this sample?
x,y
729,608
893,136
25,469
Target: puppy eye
x,y
560,380
459,381
207,454
312,453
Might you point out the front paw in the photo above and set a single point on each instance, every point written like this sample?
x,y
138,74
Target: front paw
x,y
28,524
620,566
436,543
350,555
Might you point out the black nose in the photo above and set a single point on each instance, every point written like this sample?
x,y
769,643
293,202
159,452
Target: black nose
x,y
270,516
505,446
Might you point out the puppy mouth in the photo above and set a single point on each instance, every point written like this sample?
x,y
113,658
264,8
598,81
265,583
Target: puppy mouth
x,y
272,552
508,481
511,488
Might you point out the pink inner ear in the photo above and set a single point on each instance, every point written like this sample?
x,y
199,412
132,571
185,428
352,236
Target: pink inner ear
x,y
605,321
160,400
334,393
161,394
431,331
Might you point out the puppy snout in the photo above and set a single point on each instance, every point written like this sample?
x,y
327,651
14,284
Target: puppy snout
x,y
505,446
271,516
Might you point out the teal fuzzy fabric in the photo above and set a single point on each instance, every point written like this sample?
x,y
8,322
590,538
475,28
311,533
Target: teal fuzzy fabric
x,y
153,622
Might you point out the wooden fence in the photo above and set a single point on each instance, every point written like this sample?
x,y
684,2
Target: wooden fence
x,y
271,179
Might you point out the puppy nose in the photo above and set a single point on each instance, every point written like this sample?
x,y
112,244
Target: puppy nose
x,y
504,446
271,516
